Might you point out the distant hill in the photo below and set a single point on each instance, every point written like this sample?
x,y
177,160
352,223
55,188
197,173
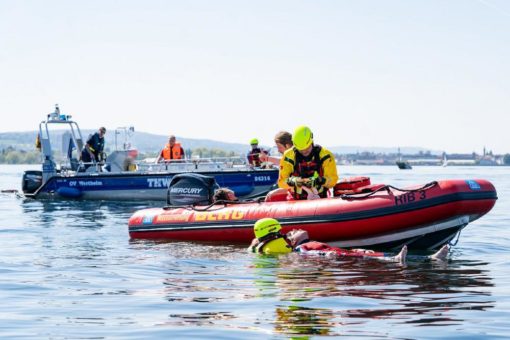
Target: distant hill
x,y
19,140
148,143
143,141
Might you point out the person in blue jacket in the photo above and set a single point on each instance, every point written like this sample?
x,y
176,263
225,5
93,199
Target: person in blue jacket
x,y
94,148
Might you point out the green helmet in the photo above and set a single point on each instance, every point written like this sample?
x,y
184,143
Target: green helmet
x,y
254,141
266,226
302,137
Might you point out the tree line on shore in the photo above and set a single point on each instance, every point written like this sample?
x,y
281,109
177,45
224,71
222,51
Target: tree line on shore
x,y
12,155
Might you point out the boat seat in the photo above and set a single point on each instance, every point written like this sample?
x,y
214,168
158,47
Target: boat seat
x,y
359,190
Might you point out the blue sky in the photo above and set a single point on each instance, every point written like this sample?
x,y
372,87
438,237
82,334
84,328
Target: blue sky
x,y
434,74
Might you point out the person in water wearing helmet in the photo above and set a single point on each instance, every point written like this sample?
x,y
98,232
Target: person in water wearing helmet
x,y
306,167
256,156
270,240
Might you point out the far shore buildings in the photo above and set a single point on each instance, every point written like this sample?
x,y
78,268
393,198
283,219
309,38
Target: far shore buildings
x,y
422,158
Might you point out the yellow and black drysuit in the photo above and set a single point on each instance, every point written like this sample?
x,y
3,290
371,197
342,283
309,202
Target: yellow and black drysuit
x,y
274,243
319,166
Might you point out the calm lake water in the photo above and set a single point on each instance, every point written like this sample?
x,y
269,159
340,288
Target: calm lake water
x,y
69,270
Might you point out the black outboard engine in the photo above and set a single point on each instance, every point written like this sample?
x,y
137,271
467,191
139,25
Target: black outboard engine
x,y
191,189
31,181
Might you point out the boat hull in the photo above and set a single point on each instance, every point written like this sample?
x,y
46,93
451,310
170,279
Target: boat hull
x,y
147,186
424,219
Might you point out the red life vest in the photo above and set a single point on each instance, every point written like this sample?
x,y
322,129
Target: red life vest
x,y
254,156
319,248
170,152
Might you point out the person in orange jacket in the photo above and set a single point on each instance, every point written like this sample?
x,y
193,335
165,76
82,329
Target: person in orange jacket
x,y
171,151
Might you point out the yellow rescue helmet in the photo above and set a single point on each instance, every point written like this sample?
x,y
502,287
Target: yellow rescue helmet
x,y
266,226
254,141
302,137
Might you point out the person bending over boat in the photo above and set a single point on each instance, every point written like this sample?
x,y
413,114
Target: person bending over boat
x,y
94,147
256,156
307,165
171,151
269,240
283,141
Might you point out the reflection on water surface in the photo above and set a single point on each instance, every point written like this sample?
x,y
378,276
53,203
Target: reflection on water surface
x,y
69,264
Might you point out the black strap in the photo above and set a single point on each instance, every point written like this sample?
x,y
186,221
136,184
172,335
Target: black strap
x,y
387,188
287,159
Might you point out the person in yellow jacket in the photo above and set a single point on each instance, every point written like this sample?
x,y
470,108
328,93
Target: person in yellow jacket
x,y
270,241
268,238
307,167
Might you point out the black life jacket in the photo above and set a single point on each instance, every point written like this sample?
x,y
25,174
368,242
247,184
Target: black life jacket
x,y
305,167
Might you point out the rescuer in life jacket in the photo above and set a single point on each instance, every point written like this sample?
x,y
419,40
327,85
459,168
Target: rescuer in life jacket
x,y
307,165
256,156
93,149
171,151
270,240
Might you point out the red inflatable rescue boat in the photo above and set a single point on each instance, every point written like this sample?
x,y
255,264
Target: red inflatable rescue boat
x,y
360,215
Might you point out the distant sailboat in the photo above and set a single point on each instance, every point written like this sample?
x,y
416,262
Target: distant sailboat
x,y
403,165
445,161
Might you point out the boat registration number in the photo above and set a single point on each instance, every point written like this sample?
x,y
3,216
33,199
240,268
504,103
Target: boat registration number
x,y
409,197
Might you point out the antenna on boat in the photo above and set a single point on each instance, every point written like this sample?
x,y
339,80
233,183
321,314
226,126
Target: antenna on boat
x,y
128,132
56,115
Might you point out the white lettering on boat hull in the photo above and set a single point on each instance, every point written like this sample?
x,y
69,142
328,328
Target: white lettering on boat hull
x,y
158,182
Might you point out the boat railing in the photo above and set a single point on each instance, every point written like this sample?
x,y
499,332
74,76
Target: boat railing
x,y
198,164
69,168
122,164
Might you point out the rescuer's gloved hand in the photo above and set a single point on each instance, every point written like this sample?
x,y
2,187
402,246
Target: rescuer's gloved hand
x,y
295,181
316,182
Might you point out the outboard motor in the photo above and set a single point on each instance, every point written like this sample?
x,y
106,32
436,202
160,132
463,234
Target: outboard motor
x,y
31,181
191,189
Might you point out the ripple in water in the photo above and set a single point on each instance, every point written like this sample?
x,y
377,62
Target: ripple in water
x,y
69,270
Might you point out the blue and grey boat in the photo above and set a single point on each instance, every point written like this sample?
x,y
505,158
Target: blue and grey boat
x,y
121,176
